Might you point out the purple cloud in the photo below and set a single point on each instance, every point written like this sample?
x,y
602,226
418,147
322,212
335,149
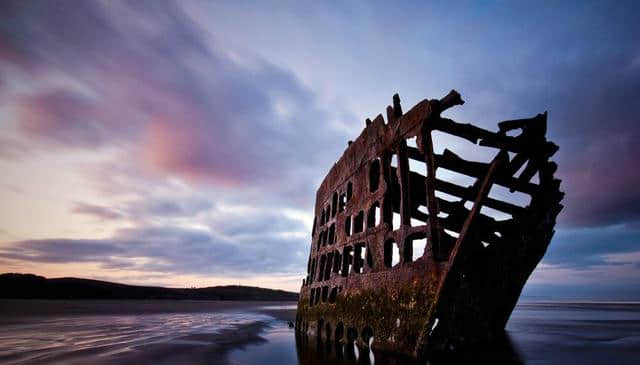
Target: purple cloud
x,y
148,206
145,83
103,213
171,250
61,116
188,108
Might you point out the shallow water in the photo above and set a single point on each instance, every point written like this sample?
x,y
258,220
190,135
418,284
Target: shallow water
x,y
63,339
174,332
586,333
537,333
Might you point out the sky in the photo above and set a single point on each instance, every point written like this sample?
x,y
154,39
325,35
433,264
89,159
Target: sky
x,y
180,143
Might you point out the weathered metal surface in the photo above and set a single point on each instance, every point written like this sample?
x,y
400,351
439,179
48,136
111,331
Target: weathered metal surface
x,y
485,223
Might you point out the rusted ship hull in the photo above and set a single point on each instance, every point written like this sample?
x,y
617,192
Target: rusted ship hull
x,y
467,232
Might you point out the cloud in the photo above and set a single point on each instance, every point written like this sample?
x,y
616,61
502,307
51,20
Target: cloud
x,y
586,247
602,187
581,68
624,258
62,116
589,90
170,250
60,250
176,206
191,237
598,135
189,125
261,223
103,213
161,87
12,148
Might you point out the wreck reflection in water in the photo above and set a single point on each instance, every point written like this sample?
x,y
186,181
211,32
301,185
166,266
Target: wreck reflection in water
x,y
313,352
542,332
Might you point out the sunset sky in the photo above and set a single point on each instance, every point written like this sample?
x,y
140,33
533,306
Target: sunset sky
x,y
180,143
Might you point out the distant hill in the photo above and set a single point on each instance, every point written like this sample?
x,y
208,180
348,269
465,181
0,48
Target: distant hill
x,y
29,286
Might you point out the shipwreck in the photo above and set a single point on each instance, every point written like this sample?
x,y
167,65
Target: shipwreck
x,y
417,249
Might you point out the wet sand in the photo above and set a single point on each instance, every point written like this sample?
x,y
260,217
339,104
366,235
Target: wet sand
x,y
132,332
211,332
14,309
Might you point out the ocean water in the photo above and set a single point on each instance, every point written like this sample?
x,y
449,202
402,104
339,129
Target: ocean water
x,y
576,332
182,332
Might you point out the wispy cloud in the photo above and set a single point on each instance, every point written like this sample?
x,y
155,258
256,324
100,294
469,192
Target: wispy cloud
x,y
103,213
207,123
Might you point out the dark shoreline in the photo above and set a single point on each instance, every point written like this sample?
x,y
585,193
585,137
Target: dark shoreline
x,y
30,286
186,348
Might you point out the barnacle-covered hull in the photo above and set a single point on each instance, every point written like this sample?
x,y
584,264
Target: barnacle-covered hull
x,y
417,249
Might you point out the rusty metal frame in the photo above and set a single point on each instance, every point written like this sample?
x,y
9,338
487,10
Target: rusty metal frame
x,y
462,289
